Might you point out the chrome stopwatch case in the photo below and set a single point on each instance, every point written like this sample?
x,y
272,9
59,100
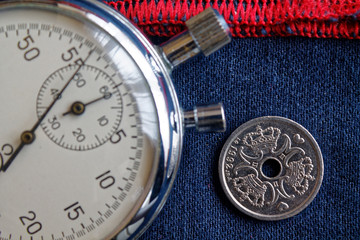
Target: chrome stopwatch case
x,y
91,128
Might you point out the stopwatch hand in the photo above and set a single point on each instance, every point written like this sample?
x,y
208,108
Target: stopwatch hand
x,y
60,93
78,108
27,137
12,157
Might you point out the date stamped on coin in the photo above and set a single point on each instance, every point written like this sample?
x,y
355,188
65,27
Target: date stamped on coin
x,y
271,168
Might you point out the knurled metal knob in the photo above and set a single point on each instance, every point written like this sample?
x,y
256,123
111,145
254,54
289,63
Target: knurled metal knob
x,y
209,31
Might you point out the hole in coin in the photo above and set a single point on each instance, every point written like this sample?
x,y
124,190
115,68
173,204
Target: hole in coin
x,y
271,168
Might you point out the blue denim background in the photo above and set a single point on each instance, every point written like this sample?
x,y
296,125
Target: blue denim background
x,y
315,82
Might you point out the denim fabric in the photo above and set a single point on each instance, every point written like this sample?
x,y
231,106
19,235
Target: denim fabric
x,y
315,82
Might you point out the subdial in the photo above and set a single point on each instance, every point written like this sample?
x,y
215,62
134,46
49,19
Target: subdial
x,y
87,114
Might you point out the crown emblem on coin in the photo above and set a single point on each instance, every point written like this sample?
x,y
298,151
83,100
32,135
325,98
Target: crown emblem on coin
x,y
300,175
250,188
262,139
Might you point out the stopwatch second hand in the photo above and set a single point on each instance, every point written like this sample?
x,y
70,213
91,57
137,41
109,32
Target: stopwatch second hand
x,y
27,137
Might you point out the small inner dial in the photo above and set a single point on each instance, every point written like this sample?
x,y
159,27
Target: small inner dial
x,y
87,114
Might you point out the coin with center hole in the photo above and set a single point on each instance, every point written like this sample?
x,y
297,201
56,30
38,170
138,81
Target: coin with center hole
x,y
271,168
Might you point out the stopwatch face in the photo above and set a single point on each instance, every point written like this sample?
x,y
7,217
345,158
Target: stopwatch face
x,y
87,162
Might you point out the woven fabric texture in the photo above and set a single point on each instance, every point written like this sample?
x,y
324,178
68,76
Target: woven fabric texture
x,y
250,18
315,82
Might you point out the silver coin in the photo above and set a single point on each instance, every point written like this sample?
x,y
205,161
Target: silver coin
x,y
271,168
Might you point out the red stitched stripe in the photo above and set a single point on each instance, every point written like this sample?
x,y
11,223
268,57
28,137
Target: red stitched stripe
x,y
250,18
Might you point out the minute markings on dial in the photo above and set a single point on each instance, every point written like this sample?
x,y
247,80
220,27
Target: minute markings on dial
x,y
84,127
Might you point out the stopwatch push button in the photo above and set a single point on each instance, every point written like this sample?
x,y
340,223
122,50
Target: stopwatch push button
x,y
209,118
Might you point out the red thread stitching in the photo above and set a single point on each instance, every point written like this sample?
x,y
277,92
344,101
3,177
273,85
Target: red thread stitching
x,y
250,18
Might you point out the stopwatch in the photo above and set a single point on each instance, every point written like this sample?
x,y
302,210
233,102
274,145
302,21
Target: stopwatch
x,y
91,128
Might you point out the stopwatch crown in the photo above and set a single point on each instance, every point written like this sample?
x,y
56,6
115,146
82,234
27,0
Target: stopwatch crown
x,y
209,31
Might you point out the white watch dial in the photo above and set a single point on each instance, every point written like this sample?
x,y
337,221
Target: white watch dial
x,y
96,144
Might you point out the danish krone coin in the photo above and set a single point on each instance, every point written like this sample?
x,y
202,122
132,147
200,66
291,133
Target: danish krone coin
x,y
271,168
